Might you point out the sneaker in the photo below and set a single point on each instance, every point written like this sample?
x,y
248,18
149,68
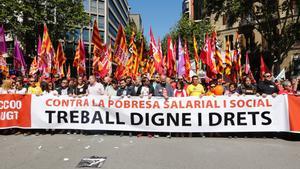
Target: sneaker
x,y
18,133
27,133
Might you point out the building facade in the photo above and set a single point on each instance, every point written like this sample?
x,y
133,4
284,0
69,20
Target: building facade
x,y
248,37
109,14
136,18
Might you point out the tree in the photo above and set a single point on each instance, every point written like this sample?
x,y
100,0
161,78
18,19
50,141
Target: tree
x,y
131,27
276,21
186,28
25,19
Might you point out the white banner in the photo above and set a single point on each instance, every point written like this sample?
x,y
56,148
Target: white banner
x,y
189,114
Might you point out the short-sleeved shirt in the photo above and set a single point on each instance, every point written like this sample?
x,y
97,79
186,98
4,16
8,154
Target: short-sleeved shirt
x,y
35,90
195,90
96,89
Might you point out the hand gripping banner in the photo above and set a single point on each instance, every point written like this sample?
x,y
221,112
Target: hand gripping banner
x,y
189,114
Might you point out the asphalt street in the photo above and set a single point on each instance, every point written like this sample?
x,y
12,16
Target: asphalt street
x,y
66,151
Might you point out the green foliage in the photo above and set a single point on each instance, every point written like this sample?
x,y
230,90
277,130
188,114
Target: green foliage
x,y
185,28
131,27
25,19
275,21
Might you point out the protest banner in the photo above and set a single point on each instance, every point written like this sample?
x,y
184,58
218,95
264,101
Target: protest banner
x,y
189,114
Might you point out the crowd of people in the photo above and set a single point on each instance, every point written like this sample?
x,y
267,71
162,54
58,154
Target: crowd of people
x,y
157,86
160,86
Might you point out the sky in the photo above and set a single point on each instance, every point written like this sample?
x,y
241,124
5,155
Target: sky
x,y
161,15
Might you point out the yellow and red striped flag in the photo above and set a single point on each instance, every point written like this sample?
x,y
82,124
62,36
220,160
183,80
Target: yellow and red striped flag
x,y
219,60
228,60
140,58
34,66
196,56
187,62
131,63
59,61
99,48
3,66
47,52
79,59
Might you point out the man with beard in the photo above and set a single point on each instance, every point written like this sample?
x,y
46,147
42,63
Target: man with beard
x,y
125,89
163,89
64,89
247,88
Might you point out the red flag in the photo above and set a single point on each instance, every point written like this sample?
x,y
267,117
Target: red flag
x,y
263,67
69,73
213,52
79,59
248,69
162,72
121,53
170,62
206,53
247,64
105,62
154,51
174,58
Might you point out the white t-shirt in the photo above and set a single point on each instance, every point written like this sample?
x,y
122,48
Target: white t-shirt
x,y
2,91
64,91
22,91
110,91
96,89
145,91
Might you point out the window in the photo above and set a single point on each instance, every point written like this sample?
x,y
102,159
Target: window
x,y
113,19
295,7
224,20
122,10
230,39
112,30
86,49
86,5
76,35
93,17
102,35
94,6
86,36
68,36
101,7
116,11
101,22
